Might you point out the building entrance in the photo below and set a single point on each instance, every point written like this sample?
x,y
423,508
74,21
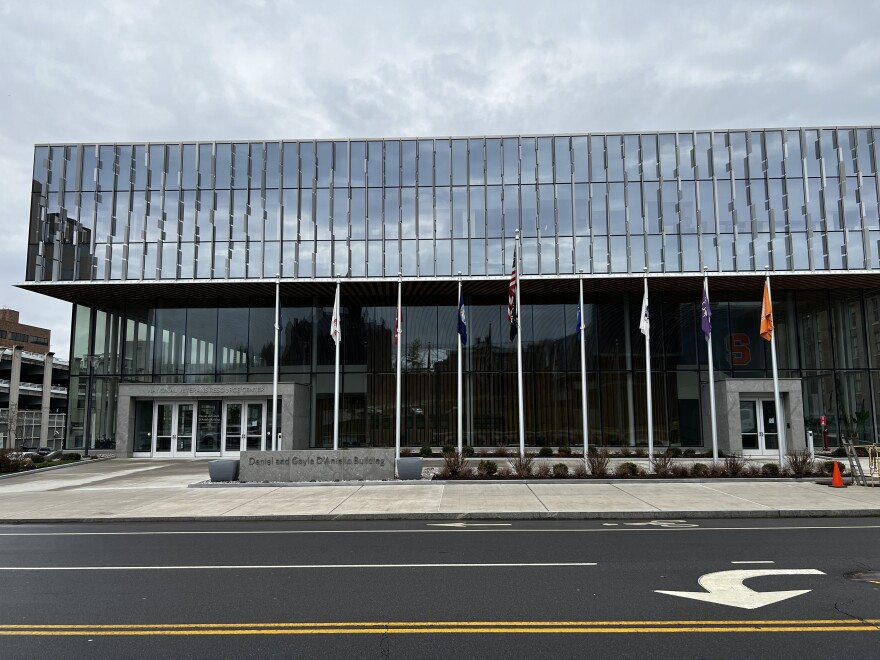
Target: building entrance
x,y
173,433
759,424
244,424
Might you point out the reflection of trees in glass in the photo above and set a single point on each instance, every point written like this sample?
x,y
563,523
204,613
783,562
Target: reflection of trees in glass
x,y
414,357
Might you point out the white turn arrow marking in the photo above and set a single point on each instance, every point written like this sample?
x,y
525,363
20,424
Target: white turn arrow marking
x,y
464,524
727,588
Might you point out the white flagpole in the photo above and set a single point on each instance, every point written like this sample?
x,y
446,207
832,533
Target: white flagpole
x,y
274,443
460,426
780,422
337,317
398,330
648,375
711,379
519,367
584,397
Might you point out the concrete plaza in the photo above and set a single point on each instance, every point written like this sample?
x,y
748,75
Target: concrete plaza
x,y
155,490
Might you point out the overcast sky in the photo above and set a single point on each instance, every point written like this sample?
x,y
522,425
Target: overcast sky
x,y
118,71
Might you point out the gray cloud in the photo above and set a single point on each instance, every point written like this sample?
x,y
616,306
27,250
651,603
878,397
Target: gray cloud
x,y
135,71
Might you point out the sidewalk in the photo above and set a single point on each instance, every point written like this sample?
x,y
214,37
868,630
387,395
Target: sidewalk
x,y
153,490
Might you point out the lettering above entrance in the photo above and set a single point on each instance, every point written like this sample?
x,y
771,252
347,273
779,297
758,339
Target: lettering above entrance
x,y
201,390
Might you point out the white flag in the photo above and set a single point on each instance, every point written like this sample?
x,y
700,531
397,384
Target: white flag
x,y
335,325
645,323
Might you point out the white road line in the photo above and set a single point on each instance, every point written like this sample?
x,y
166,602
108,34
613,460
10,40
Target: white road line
x,y
506,530
755,561
287,566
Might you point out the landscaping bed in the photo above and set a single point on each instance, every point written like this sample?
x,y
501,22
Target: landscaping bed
x,y
12,462
602,464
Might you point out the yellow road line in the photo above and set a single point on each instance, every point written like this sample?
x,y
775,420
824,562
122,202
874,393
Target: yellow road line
x,y
444,627
434,631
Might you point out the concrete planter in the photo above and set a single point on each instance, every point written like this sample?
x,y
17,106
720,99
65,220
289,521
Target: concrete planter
x,y
223,470
409,467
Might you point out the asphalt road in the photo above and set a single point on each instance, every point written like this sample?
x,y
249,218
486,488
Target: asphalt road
x,y
409,589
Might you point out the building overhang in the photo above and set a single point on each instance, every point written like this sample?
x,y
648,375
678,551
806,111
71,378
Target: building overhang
x,y
480,289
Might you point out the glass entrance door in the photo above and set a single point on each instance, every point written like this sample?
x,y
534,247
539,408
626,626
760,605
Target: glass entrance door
x,y
244,426
173,436
759,425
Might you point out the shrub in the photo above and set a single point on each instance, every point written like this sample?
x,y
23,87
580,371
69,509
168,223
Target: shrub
x,y
9,461
487,468
426,451
770,470
448,449
689,452
564,450
828,467
598,460
580,470
542,470
641,452
840,452
700,470
404,451
752,470
502,452
468,451
36,460
522,464
717,470
504,471
734,465
545,451
661,464
679,470
627,469
675,452
71,456
454,463
560,470
799,462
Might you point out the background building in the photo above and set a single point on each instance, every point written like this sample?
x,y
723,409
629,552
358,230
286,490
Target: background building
x,y
33,386
169,253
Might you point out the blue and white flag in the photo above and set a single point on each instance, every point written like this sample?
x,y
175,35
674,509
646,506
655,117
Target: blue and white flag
x,y
645,323
578,321
462,322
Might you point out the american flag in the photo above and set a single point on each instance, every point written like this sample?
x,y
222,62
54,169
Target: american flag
x,y
511,298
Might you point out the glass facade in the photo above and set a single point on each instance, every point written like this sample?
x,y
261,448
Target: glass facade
x,y
795,201
743,201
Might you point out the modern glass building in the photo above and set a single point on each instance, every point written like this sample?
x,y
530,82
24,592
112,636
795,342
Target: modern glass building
x,y
169,254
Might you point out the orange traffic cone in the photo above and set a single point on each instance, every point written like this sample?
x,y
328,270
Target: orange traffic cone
x,y
836,479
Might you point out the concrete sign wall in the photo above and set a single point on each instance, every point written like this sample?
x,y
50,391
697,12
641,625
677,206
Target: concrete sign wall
x,y
317,465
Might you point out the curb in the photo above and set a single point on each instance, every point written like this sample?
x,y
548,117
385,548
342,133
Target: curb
x,y
511,515
822,481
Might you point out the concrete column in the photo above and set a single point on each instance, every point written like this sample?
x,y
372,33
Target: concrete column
x,y
45,403
14,384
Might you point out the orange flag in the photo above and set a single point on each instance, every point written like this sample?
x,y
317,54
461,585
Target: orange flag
x,y
767,314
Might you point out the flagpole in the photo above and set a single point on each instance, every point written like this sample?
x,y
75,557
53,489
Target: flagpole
x,y
584,398
460,425
397,331
274,443
337,313
780,422
711,374
648,375
519,368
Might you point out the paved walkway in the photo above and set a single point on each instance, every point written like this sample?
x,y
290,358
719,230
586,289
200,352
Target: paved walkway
x,y
154,490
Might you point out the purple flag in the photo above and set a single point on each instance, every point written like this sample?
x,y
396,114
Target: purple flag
x,y
706,321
